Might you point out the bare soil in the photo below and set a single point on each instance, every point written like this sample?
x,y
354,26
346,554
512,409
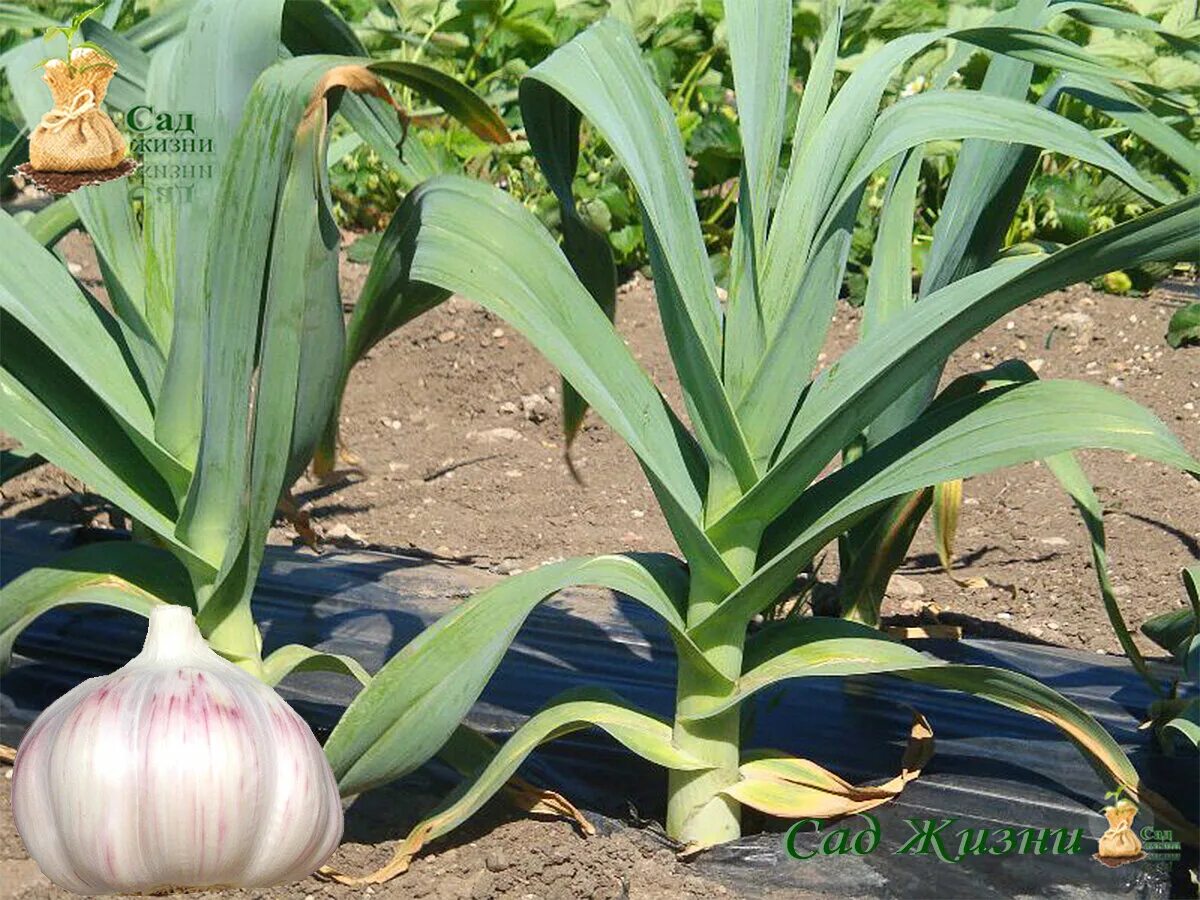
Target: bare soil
x,y
494,857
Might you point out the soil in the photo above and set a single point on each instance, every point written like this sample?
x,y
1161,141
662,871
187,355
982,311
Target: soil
x,y
454,426
493,857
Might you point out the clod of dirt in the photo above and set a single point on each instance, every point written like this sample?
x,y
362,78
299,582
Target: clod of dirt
x,y
536,407
1075,322
903,586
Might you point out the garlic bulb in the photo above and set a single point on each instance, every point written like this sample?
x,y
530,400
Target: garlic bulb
x,y
179,770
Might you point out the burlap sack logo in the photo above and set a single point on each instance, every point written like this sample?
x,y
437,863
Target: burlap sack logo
x,y
1119,844
76,144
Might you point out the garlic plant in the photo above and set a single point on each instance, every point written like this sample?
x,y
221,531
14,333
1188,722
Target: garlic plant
x,y
192,391
179,770
741,482
220,285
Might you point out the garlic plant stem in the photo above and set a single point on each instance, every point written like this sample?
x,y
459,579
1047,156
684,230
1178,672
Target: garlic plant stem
x,y
172,634
697,812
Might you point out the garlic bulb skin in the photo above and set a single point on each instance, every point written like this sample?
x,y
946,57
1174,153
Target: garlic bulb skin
x,y
179,770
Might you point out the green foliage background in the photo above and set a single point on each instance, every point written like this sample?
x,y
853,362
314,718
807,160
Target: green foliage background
x,y
491,43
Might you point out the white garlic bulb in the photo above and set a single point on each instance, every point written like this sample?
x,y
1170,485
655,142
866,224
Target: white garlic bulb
x,y
179,770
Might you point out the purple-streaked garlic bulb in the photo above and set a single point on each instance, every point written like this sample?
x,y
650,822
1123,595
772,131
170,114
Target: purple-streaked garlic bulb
x,y
179,770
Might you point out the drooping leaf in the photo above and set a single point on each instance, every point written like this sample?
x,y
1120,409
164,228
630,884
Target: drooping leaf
x,y
282,662
521,275
1071,477
414,702
786,786
644,734
999,427
129,576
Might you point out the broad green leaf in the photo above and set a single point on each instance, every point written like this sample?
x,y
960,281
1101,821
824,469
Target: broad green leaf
x,y
134,577
37,291
1114,102
522,276
458,100
947,115
160,26
215,514
552,125
1175,631
1184,327
1102,15
601,73
1041,48
815,177
987,186
314,29
999,427
298,658
847,125
414,702
889,284
644,734
1187,723
51,222
858,387
759,43
309,267
236,42
784,369
299,355
294,274
107,214
77,433
871,551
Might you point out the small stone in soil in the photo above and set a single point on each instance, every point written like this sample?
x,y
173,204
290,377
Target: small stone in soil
x,y
495,435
